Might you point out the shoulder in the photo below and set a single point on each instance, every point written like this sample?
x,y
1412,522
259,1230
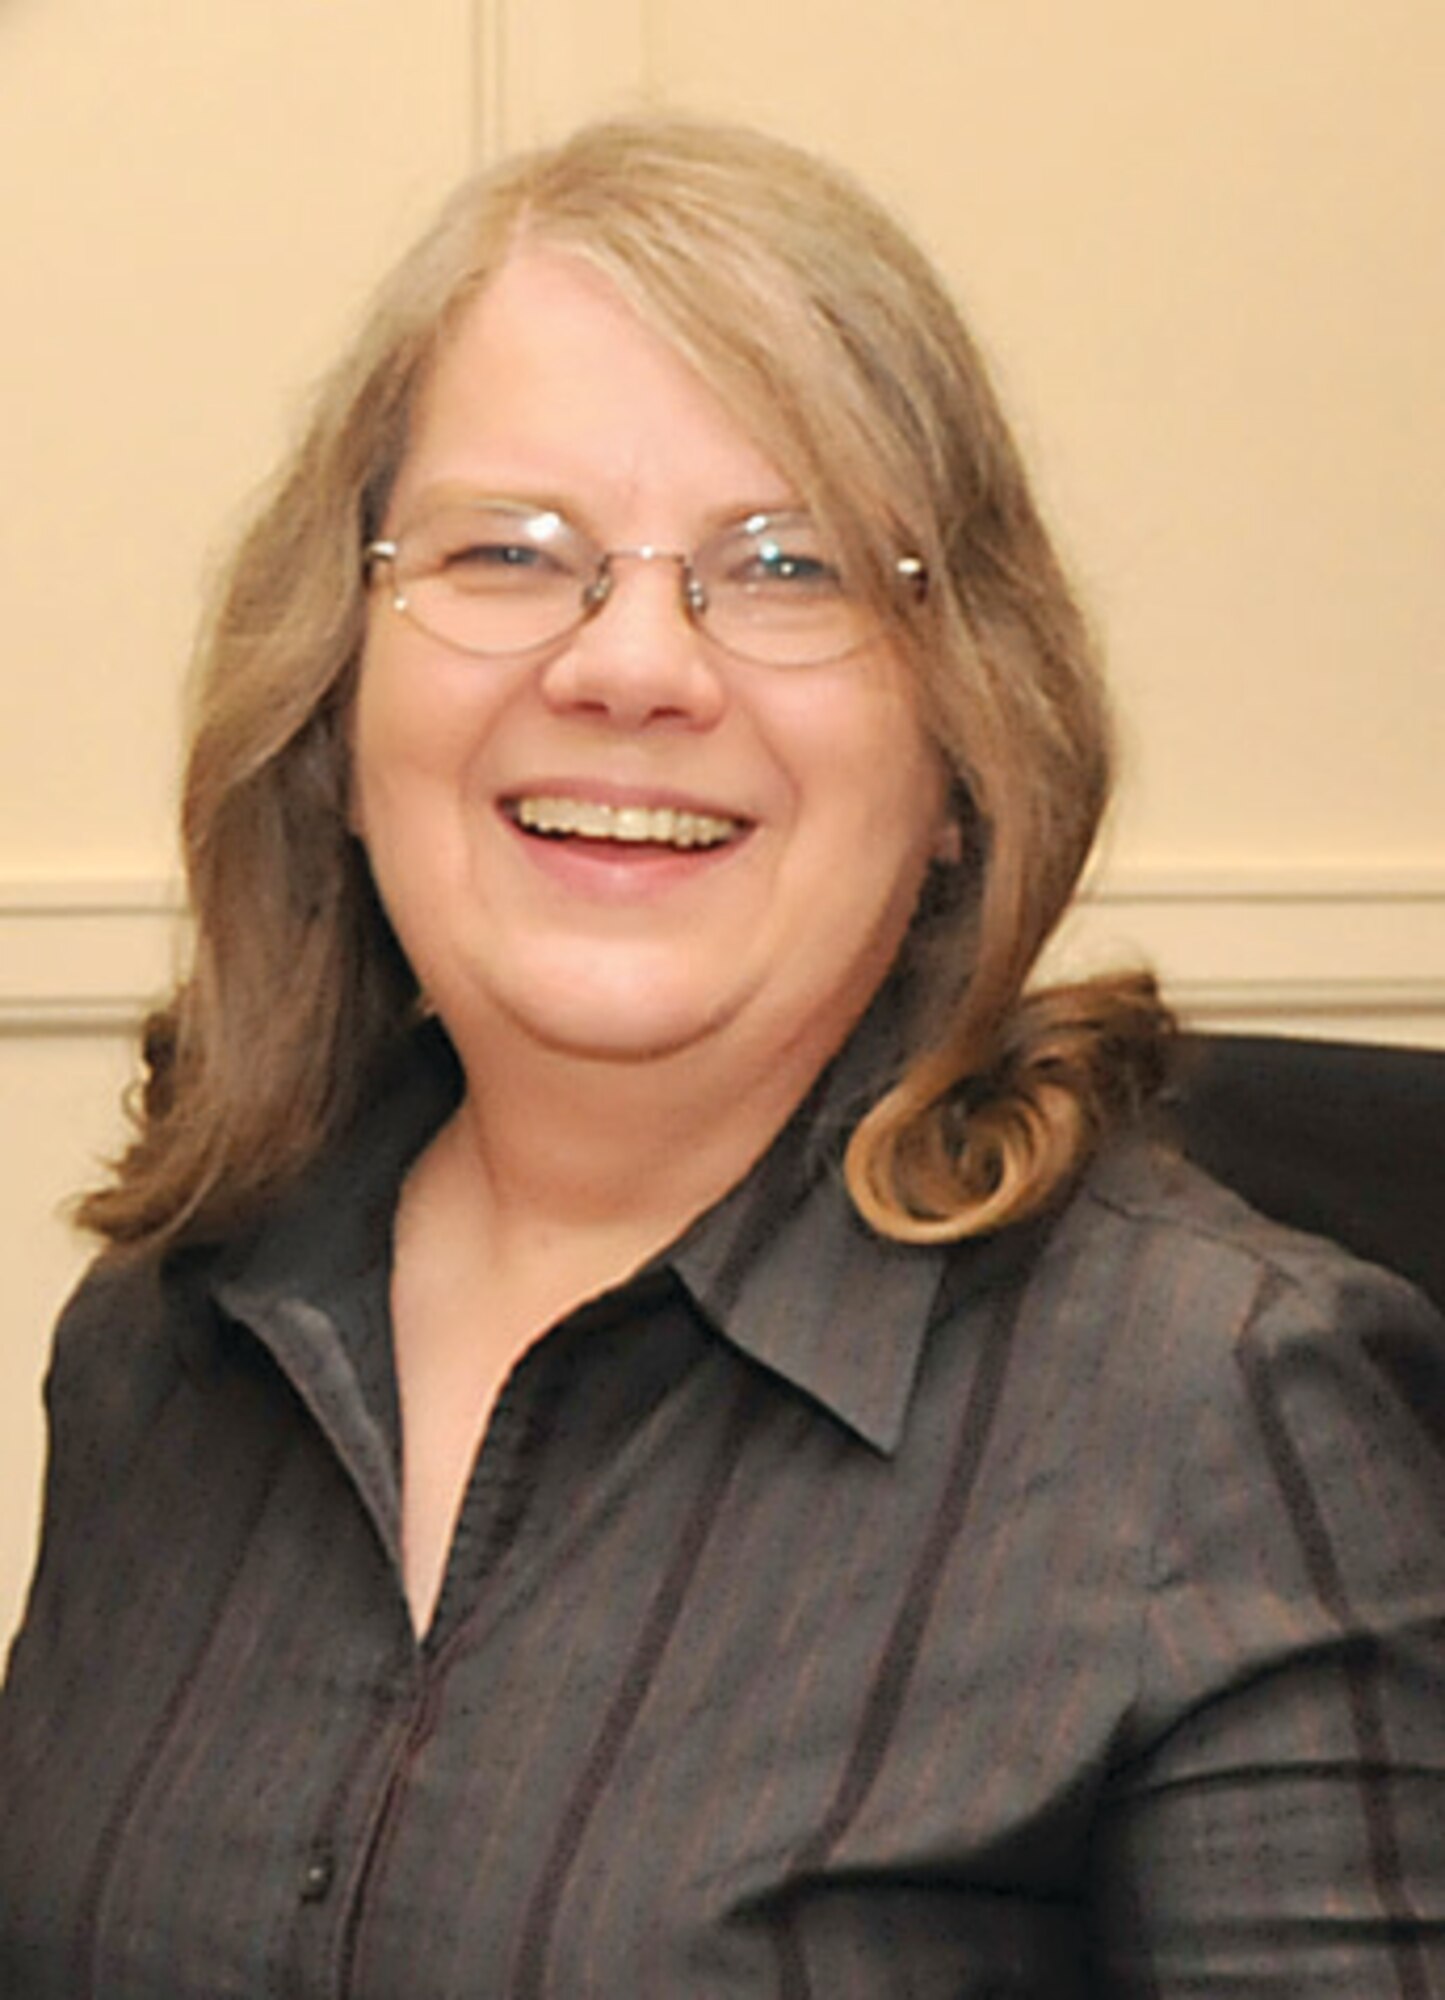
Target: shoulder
x,y
1144,1216
1259,1352
1160,1293
130,1332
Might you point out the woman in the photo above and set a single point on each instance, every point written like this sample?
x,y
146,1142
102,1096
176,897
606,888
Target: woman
x,y
650,1424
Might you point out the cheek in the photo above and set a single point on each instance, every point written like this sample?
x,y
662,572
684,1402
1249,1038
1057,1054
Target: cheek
x,y
890,781
909,827
879,822
412,723
849,736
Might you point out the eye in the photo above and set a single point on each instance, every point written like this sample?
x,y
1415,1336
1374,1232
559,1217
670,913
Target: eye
x,y
783,568
495,551
489,564
782,559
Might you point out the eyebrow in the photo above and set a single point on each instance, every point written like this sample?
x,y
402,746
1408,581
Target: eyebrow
x,y
447,493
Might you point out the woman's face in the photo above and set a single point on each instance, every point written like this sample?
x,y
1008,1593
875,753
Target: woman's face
x,y
764,947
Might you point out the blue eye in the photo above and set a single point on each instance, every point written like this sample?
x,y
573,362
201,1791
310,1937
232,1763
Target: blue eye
x,y
785,572
488,568
478,551
493,555
784,566
772,559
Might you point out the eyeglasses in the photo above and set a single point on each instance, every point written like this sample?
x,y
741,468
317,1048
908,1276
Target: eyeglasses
x,y
495,577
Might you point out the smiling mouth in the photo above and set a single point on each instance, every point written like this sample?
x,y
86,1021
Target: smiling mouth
x,y
627,825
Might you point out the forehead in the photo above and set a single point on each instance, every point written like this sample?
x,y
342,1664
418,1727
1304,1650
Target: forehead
x,y
550,386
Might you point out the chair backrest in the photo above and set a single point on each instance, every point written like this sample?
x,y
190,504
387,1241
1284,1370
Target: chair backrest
x,y
1341,1138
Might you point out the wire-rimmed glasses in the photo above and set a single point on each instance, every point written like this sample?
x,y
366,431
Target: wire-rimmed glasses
x,y
499,578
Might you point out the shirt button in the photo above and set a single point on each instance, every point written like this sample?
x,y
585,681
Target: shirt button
x,y
316,1878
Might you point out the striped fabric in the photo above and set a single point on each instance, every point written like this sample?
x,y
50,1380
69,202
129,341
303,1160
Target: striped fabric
x,y
1063,1616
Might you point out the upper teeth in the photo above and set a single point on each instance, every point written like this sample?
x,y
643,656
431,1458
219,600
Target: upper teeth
x,y
657,825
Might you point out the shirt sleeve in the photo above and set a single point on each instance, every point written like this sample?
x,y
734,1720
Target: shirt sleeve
x,y
1278,1822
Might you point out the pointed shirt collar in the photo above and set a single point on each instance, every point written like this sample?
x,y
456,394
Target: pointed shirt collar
x,y
782,1267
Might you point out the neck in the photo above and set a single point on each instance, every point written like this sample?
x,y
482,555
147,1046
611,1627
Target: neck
x,y
562,1149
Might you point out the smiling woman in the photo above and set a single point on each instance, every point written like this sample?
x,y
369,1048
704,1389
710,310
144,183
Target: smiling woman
x,y
653,1420
748,954
827,340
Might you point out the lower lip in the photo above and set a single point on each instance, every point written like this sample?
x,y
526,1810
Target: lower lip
x,y
623,871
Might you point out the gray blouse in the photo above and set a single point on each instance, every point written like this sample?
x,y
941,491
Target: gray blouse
x,y
1058,1616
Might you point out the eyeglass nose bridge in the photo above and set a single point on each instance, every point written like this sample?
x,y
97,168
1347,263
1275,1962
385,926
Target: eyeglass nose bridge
x,y
599,590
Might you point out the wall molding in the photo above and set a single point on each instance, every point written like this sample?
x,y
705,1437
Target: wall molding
x,y
1250,945
1243,944
85,955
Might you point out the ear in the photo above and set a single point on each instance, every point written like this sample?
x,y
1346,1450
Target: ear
x,y
346,776
354,823
947,849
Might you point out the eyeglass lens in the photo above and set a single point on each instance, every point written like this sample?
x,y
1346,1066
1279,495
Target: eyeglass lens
x,y
499,578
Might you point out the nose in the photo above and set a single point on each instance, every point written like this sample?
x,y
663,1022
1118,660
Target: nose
x,y
638,659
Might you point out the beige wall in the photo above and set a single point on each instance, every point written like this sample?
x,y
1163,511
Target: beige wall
x,y
1201,241
195,199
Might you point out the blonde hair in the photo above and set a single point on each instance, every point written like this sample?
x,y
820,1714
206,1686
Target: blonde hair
x,y
828,335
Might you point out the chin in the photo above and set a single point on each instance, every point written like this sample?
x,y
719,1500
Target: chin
x,y
647,1033
638,1016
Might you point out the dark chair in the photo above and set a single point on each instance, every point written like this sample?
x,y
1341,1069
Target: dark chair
x,y
1340,1138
